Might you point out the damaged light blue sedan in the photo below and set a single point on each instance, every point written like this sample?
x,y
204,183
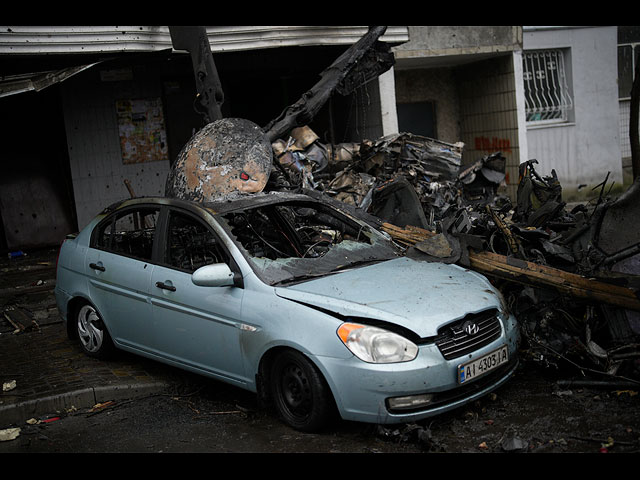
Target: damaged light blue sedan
x,y
289,296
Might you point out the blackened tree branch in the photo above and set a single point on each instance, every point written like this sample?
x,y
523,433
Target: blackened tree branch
x,y
303,111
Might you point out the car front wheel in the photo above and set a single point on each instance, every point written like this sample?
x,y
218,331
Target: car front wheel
x,y
94,337
301,396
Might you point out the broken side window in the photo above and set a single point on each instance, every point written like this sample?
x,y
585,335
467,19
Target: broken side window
x,y
129,233
191,244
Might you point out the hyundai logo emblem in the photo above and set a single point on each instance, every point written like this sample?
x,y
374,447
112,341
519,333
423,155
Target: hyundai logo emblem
x,y
470,328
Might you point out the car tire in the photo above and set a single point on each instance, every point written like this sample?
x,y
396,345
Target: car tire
x,y
92,333
300,394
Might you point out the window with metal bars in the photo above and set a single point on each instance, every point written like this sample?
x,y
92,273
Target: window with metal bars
x,y
628,57
546,86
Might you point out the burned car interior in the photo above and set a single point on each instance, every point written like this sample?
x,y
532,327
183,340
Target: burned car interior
x,y
300,239
130,233
283,231
191,244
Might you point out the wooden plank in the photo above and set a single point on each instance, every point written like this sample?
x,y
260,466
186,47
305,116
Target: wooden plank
x,y
529,273
408,235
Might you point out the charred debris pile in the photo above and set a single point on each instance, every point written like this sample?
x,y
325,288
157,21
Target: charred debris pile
x,y
568,273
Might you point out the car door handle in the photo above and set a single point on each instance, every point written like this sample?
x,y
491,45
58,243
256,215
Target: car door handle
x,y
171,288
95,266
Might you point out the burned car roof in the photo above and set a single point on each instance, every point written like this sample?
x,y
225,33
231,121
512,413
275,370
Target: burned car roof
x,y
240,201
237,201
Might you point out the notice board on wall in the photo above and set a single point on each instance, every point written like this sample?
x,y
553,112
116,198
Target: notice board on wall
x,y
142,131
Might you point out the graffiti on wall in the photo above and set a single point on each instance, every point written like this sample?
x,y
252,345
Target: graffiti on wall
x,y
493,144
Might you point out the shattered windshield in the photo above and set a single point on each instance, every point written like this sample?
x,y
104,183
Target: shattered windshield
x,y
296,241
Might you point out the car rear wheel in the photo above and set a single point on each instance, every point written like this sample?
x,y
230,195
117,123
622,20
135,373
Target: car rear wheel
x,y
300,394
94,337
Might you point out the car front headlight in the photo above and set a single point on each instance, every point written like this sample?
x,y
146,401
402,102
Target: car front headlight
x,y
376,345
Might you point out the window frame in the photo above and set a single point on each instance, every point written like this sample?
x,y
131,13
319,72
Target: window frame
x,y
634,58
110,220
160,236
563,105
163,240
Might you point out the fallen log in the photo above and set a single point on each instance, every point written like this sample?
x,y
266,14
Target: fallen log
x,y
530,273
408,235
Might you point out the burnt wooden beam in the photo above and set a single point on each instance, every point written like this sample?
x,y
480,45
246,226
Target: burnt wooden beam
x,y
210,95
529,273
305,109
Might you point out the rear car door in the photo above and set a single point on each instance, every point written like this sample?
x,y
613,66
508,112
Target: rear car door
x,y
119,271
196,326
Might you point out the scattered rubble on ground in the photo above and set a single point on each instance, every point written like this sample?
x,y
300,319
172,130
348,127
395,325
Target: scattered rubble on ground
x,y
9,434
8,386
26,302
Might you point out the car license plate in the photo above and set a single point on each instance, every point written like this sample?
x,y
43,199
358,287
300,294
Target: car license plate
x,y
482,365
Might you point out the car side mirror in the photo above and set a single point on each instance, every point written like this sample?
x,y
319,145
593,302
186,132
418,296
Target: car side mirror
x,y
215,275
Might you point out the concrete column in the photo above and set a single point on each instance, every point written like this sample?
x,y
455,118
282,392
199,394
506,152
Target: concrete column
x,y
388,112
520,106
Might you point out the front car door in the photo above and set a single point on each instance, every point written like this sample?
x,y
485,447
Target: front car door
x,y
197,327
119,272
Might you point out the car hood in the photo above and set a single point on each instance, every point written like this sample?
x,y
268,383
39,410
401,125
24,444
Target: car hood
x,y
417,295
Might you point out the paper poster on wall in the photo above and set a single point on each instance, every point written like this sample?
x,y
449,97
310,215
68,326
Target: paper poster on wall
x,y
141,127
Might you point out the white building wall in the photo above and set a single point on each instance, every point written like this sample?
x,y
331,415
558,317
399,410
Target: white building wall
x,y
97,169
585,149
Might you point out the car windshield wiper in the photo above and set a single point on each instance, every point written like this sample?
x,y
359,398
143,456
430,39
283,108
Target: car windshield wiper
x,y
358,263
302,278
339,268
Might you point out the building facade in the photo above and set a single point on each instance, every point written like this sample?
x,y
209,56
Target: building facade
x,y
92,115
464,84
571,105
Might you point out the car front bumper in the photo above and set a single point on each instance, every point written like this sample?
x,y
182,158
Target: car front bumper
x,y
429,384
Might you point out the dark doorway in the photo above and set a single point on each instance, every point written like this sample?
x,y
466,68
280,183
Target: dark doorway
x,y
258,85
418,118
36,195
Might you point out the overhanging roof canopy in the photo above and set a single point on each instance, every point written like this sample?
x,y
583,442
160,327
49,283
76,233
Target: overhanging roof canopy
x,y
13,84
25,41
32,40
